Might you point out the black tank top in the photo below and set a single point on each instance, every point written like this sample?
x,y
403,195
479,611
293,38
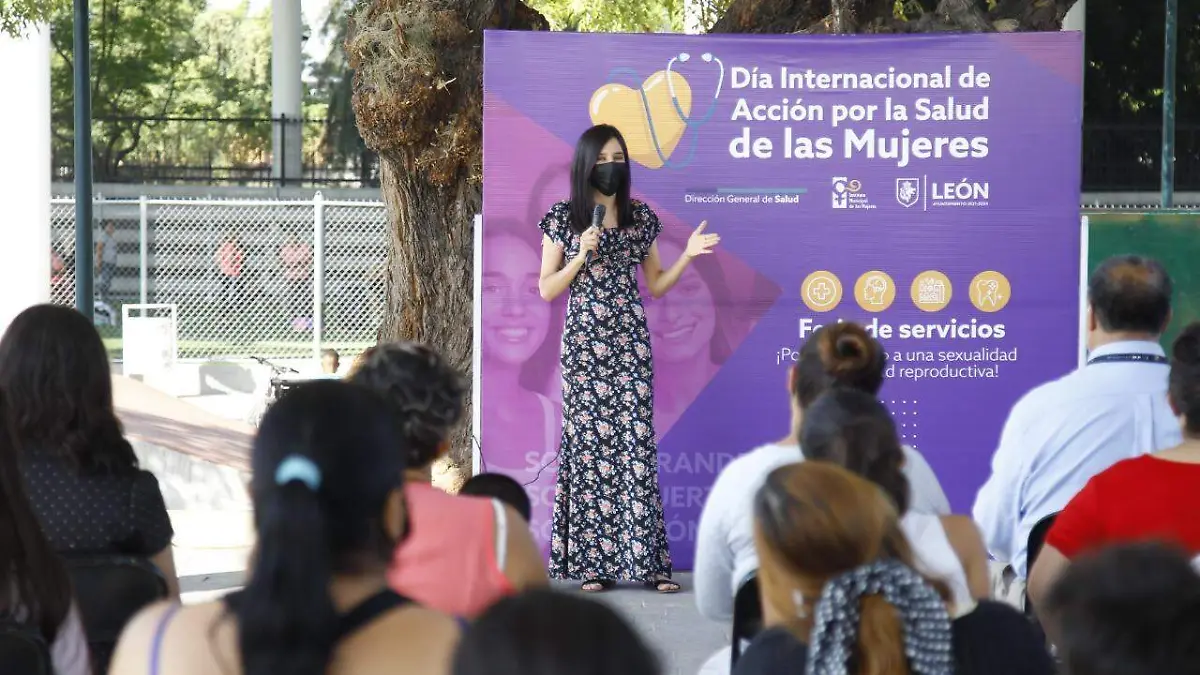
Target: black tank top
x,y
359,616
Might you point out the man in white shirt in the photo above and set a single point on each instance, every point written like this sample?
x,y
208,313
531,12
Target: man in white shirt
x,y
1064,432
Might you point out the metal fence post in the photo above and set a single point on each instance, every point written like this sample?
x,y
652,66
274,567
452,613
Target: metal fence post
x,y
318,320
85,248
143,249
1170,56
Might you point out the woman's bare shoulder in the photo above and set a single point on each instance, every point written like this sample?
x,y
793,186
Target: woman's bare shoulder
x,y
180,627
428,643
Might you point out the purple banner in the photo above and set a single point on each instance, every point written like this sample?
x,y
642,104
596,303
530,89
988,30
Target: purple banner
x,y
927,186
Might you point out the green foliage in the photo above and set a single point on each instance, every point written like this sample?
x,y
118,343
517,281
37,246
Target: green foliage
x,y
17,15
339,143
171,59
612,16
138,56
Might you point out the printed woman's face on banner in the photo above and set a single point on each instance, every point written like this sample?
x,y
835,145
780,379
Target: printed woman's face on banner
x,y
683,322
516,319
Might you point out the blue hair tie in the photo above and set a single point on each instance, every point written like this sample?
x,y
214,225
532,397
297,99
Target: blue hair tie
x,y
297,467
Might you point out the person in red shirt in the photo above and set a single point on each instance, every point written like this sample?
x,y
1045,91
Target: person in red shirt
x,y
1152,497
230,262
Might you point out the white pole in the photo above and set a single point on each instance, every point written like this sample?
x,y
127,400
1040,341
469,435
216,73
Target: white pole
x,y
318,319
476,347
1076,19
1083,291
25,179
143,249
286,88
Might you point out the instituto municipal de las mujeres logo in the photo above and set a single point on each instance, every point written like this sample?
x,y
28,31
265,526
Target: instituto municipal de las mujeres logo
x,y
926,193
848,194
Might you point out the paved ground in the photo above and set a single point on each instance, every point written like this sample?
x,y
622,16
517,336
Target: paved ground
x,y
670,623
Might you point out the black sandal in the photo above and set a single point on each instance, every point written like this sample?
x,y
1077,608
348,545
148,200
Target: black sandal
x,y
600,585
664,585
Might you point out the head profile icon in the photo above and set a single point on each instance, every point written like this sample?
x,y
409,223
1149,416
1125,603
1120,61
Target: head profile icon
x,y
874,289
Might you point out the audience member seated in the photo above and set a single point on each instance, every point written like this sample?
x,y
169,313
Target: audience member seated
x,y
35,590
465,552
543,632
856,432
840,594
330,361
81,474
329,507
1062,433
1130,609
843,355
499,486
1154,496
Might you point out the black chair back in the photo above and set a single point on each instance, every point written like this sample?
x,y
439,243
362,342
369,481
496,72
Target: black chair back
x,y
1033,546
109,591
23,650
747,616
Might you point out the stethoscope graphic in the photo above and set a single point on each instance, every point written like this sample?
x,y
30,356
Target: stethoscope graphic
x,y
691,122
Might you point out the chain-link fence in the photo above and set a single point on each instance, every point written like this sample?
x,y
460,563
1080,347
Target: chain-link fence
x,y
266,278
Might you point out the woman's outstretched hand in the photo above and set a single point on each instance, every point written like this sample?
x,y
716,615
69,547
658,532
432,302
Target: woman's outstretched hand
x,y
700,243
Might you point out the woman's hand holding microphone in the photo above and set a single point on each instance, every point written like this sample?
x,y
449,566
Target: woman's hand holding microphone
x,y
589,243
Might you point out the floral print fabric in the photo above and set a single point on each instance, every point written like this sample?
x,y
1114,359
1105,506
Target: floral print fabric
x,y
608,513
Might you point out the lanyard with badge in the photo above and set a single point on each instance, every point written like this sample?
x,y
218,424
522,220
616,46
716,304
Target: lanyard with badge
x,y
1129,358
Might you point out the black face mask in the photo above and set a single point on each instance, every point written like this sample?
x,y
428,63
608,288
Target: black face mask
x,y
609,177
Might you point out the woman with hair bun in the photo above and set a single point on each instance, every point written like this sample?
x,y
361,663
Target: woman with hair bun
x,y
838,355
841,594
1154,496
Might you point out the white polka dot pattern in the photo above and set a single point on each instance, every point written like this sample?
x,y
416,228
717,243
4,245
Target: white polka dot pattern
x,y
97,514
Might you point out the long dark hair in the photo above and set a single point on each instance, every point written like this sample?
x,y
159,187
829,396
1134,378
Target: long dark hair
x,y
54,371
587,151
546,632
33,580
311,528
854,430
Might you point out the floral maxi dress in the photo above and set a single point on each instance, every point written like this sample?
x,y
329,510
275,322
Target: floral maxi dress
x,y
608,512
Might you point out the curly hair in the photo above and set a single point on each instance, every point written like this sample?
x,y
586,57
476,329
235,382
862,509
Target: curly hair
x,y
55,375
426,391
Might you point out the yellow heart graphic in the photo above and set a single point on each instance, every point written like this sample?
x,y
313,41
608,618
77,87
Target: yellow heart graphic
x,y
622,107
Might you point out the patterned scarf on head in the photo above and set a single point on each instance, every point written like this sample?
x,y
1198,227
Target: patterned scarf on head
x,y
923,616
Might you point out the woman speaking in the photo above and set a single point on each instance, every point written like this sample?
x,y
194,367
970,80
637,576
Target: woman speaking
x,y
608,514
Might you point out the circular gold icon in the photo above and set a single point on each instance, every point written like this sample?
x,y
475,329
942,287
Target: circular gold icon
x,y
821,291
875,291
990,291
931,291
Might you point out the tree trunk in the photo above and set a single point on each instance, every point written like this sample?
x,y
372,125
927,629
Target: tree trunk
x,y
418,101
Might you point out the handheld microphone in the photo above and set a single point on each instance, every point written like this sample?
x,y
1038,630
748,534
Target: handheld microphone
x,y
597,223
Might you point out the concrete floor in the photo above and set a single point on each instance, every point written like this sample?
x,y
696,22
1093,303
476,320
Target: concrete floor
x,y
669,623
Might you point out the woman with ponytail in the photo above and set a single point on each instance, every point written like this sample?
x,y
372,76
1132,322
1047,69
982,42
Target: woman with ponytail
x,y
328,475
855,431
840,595
842,355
